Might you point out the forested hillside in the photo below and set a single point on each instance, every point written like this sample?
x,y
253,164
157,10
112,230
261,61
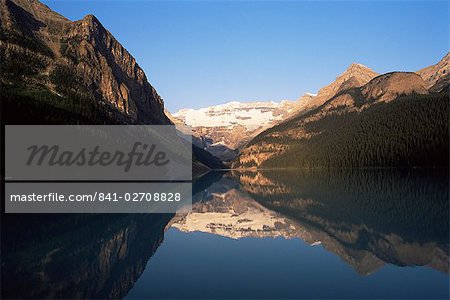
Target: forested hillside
x,y
411,131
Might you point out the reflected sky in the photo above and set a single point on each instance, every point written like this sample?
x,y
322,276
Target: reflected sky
x,y
259,236
201,265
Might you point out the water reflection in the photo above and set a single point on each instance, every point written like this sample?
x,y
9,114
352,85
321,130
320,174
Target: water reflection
x,y
368,218
76,256
371,220
225,210
383,216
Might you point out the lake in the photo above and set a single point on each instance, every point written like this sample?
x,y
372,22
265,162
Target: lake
x,y
267,234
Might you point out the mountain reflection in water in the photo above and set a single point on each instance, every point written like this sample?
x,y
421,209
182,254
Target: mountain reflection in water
x,y
371,220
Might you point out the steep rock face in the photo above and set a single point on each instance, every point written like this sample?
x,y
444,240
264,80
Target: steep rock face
x,y
43,50
113,73
437,76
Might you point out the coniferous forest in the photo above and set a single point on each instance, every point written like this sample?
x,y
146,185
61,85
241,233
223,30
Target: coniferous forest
x,y
411,131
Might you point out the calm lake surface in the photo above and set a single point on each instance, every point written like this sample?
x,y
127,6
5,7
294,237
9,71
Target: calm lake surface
x,y
278,234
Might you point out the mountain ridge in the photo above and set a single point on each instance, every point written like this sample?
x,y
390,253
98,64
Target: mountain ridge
x,y
355,75
298,139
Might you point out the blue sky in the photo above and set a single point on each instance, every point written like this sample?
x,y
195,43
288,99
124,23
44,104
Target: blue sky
x,y
201,53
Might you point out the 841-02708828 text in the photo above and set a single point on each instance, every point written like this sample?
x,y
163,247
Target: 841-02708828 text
x,y
98,196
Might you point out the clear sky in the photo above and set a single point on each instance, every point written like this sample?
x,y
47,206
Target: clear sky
x,y
201,53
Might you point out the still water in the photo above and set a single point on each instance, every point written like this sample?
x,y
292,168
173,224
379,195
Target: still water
x,y
278,234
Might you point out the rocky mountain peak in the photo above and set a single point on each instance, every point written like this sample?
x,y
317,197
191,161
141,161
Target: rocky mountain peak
x,y
91,18
357,66
360,73
355,75
92,25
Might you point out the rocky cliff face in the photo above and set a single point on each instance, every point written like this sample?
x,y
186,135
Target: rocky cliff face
x,y
111,71
43,50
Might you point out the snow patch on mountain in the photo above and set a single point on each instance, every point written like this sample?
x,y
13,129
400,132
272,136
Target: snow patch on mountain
x,y
251,115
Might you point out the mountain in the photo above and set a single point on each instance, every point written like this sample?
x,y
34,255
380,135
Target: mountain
x,y
76,71
389,121
55,71
437,76
355,75
223,128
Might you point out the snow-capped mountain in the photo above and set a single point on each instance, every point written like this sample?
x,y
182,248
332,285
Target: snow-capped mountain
x,y
251,115
228,126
